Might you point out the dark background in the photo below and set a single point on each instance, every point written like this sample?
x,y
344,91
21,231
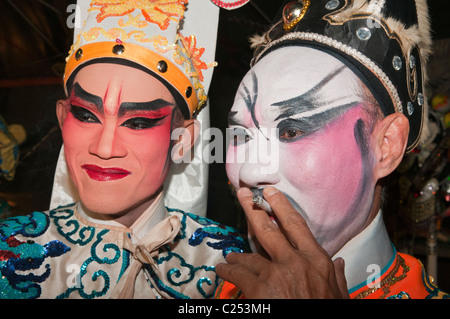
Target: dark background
x,y
34,42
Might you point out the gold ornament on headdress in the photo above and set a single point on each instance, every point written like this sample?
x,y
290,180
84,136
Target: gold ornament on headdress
x,y
293,12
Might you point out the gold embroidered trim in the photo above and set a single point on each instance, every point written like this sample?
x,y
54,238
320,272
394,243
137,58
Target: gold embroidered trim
x,y
389,281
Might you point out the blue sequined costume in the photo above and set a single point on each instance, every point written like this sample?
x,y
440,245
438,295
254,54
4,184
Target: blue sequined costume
x,y
61,254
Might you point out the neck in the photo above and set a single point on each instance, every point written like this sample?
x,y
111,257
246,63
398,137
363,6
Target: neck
x,y
375,206
129,216
367,254
149,215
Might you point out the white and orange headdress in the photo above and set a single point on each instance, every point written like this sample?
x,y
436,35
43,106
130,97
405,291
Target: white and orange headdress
x,y
157,36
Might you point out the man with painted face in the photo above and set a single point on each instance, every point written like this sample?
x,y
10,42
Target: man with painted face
x,y
336,93
131,79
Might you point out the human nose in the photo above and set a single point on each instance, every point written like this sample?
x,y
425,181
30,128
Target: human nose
x,y
107,143
261,166
254,175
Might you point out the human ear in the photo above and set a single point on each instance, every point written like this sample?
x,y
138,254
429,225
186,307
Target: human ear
x,y
390,138
61,111
186,135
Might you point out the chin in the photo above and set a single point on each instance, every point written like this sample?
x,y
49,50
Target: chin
x,y
104,208
105,204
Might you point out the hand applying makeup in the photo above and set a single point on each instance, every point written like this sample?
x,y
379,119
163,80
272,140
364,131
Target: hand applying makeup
x,y
294,264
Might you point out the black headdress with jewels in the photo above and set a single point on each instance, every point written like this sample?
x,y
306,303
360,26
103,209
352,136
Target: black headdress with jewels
x,y
385,42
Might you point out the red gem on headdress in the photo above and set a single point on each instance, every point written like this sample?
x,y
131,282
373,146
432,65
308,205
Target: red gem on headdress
x,y
229,5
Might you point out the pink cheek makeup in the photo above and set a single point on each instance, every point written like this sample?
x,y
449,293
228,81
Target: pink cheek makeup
x,y
105,174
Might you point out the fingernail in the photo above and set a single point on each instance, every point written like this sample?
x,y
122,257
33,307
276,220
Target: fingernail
x,y
269,191
244,191
340,261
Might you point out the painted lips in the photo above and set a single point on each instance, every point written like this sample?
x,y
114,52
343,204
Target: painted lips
x,y
105,174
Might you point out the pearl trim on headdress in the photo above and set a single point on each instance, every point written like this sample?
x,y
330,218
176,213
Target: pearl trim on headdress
x,y
347,50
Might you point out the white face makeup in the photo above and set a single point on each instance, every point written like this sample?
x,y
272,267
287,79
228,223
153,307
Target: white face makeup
x,y
311,105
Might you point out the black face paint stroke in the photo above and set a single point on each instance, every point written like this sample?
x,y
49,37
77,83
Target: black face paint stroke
x,y
124,107
309,100
364,185
313,123
143,106
250,100
88,97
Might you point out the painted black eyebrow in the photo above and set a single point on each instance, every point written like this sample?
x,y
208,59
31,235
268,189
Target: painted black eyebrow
x,y
312,123
88,97
143,106
308,100
124,107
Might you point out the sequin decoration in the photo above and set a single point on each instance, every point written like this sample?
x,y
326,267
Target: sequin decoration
x,y
22,261
96,260
70,228
186,267
188,55
430,286
134,21
194,54
32,225
182,274
177,273
223,237
160,12
401,295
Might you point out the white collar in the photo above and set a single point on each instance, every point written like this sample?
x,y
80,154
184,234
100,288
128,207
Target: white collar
x,y
367,255
151,217
155,213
